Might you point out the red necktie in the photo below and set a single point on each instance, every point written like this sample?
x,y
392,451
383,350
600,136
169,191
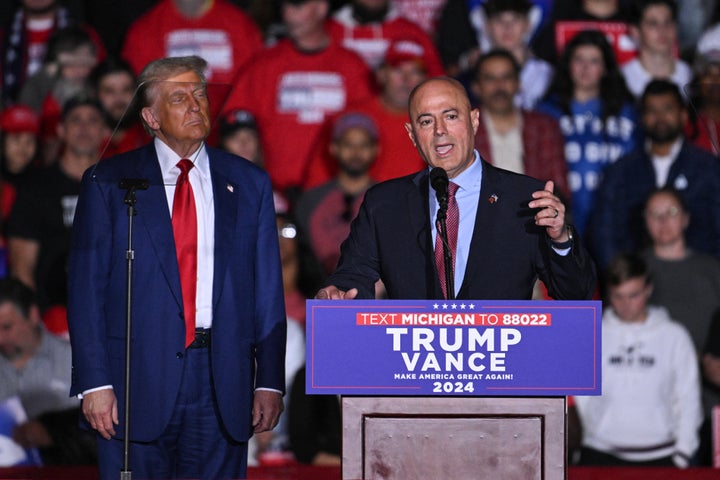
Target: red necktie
x,y
184,223
452,221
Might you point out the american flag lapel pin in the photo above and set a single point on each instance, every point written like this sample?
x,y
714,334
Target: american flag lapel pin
x,y
492,198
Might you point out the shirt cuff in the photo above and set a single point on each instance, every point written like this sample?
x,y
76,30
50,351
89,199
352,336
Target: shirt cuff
x,y
681,460
90,390
563,248
269,390
109,387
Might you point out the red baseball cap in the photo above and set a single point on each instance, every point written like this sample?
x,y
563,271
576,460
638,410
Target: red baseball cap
x,y
19,119
401,51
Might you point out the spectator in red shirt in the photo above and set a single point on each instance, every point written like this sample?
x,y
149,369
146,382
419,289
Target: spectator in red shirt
x,y
292,87
368,27
402,69
221,33
425,13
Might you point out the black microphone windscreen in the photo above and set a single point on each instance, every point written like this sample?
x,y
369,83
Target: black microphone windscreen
x,y
136,183
439,180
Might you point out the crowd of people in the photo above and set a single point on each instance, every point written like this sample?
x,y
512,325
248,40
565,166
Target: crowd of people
x,y
617,102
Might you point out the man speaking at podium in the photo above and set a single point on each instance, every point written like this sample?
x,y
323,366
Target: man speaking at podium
x,y
208,336
503,230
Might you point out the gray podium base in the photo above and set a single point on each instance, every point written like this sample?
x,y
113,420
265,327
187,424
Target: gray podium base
x,y
443,438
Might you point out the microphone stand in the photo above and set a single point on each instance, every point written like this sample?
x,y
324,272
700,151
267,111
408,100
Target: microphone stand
x,y
447,253
131,185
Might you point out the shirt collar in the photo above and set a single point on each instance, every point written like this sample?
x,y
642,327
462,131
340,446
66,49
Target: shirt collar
x,y
471,176
169,159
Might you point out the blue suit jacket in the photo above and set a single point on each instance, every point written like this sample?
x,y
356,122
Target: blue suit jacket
x,y
248,308
391,239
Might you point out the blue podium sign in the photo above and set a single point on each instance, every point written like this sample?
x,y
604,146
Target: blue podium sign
x,y
464,348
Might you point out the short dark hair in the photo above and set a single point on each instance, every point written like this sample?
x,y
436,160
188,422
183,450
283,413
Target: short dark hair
x,y
661,87
14,291
68,39
496,7
675,194
639,7
107,67
81,100
626,266
497,53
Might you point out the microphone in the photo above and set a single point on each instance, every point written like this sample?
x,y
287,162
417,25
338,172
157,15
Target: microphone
x,y
134,183
439,182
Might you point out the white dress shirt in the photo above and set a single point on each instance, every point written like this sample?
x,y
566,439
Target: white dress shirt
x,y
204,206
201,184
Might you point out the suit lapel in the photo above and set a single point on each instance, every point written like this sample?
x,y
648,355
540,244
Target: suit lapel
x,y
419,216
419,222
225,198
154,215
486,224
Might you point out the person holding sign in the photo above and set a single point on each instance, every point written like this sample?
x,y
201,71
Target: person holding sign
x,y
504,230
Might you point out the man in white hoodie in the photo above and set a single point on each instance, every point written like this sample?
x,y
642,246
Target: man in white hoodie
x,y
650,411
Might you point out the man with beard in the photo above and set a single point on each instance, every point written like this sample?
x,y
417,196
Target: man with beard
x,y
517,140
324,213
665,160
113,84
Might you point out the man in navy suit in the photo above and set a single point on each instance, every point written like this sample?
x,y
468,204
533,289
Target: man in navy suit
x,y
511,232
197,394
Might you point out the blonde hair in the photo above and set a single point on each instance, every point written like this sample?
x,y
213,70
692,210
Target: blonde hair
x,y
162,69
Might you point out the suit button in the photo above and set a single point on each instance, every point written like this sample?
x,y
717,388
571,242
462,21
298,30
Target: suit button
x,y
179,355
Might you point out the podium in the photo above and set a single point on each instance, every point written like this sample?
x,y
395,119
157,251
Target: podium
x,y
453,389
